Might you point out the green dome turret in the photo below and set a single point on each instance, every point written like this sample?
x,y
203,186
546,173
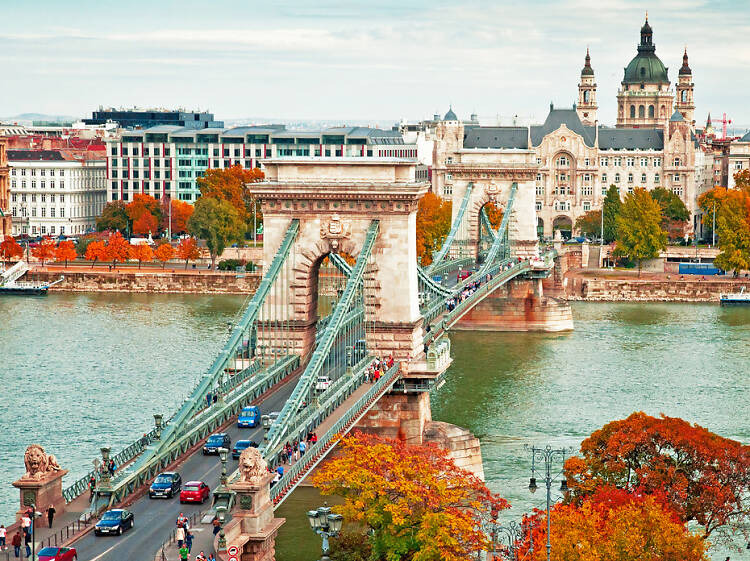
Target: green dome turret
x,y
646,67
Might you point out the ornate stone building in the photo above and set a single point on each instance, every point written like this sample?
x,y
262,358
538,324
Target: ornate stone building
x,y
574,158
5,214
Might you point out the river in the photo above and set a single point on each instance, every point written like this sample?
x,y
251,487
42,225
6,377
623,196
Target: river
x,y
80,370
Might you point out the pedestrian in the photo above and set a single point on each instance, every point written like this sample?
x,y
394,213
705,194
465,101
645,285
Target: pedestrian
x,y
3,532
27,541
189,541
16,543
184,553
92,484
50,514
314,438
211,557
208,399
302,447
182,521
280,470
200,557
112,467
216,524
180,536
26,523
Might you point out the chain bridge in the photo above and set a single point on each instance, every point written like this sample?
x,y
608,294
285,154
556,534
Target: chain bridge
x,y
342,286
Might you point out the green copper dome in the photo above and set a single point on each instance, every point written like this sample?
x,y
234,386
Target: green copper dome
x,y
646,67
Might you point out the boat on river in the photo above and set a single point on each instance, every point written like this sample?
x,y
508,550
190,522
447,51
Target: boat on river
x,y
740,298
10,283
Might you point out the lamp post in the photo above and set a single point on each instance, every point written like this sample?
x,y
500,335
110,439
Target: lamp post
x,y
547,455
34,515
223,455
221,512
511,533
158,420
326,525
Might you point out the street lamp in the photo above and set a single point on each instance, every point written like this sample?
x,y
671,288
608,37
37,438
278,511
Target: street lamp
x,y
326,525
265,420
223,455
158,420
512,534
34,515
221,512
548,455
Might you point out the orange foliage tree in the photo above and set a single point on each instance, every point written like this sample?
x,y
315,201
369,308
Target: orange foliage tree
x,y
118,248
66,251
164,253
413,500
494,214
704,477
96,251
143,204
9,248
433,225
230,184
612,525
188,250
145,224
181,213
141,252
45,250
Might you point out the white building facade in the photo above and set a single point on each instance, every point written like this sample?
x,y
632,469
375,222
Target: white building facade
x,y
53,195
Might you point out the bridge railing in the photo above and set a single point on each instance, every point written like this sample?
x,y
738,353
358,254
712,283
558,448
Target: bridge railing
x,y
313,455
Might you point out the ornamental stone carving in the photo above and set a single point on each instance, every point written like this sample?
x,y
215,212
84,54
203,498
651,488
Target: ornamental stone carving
x,y
335,230
252,466
492,192
38,463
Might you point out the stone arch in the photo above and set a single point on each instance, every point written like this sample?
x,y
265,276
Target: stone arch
x,y
570,171
563,224
489,193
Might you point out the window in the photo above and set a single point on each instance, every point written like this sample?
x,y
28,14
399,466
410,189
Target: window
x,y
632,111
586,162
539,205
657,179
114,151
562,161
33,197
586,206
538,176
33,212
449,160
52,198
738,165
604,178
42,172
448,189
13,197
539,161
677,162
630,178
641,111
540,189
657,162
33,172
644,162
44,229
630,162
677,190
617,161
52,212
135,150
587,177
587,190
157,152
676,177
23,172
651,111
44,212
617,178
62,212
604,161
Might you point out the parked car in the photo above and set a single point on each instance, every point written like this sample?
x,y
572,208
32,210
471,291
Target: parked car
x,y
57,554
241,445
114,521
249,417
194,492
322,383
216,441
165,485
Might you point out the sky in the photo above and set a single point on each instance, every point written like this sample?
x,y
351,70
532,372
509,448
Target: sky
x,y
354,61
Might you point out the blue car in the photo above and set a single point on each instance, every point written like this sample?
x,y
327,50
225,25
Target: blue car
x,y
165,485
115,522
249,417
216,441
241,445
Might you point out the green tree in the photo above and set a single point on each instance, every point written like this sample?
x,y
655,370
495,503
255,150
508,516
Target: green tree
x,y
114,217
217,222
590,224
639,233
612,205
674,213
734,236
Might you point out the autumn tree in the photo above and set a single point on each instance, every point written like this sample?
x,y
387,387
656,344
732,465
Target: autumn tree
x,y
702,476
141,252
188,250
218,223
639,233
65,251
611,525
143,205
612,204
433,225
180,214
113,217
10,248
145,224
45,251
96,251
231,185
414,502
742,180
164,253
674,213
118,249
494,215
733,229
590,224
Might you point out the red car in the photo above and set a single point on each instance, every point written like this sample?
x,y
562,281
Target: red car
x,y
462,275
194,492
57,554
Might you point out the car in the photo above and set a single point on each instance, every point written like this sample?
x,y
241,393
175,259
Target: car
x,y
194,492
165,485
249,417
322,383
114,521
216,441
57,554
241,445
463,275
274,415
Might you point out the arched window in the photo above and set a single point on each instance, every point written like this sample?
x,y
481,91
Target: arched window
x,y
684,96
632,111
651,111
586,96
641,112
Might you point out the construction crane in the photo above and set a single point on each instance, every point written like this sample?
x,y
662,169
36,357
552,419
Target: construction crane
x,y
724,122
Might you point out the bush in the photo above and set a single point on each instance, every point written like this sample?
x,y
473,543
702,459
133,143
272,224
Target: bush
x,y
232,264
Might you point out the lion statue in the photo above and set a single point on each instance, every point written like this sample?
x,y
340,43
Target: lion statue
x,y
252,466
38,463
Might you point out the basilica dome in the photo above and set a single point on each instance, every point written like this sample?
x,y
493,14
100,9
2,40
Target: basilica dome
x,y
646,67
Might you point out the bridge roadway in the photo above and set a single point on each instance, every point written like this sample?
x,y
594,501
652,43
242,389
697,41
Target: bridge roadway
x,y
155,518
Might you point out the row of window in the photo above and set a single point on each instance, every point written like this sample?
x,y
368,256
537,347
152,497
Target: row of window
x,y
24,212
137,185
42,172
134,151
76,229
42,197
616,161
42,184
125,174
587,178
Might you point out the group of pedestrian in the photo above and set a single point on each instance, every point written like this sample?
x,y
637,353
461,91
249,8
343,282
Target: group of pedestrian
x,y
378,368
184,537
468,290
202,557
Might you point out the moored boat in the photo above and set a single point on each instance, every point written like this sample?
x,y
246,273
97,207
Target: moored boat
x,y
740,298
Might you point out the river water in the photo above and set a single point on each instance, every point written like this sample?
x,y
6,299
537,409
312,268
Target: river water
x,y
79,370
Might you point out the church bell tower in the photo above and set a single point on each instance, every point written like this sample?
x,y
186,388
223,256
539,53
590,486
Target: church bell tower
x,y
587,106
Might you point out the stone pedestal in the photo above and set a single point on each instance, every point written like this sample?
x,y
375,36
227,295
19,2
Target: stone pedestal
x,y
253,527
463,447
41,492
400,416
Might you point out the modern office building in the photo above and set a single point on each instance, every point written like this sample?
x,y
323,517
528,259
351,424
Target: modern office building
x,y
54,193
147,118
167,161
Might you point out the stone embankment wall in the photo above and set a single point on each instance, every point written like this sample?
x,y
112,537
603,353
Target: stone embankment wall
x,y
177,282
661,290
463,447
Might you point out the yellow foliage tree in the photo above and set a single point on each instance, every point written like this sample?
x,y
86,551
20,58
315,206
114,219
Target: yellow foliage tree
x,y
433,225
